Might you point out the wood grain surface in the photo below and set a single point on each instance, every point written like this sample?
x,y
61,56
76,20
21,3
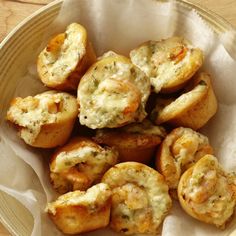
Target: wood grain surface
x,y
14,11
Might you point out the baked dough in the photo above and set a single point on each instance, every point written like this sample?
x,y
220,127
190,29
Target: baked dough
x,y
78,212
79,164
66,58
207,193
180,150
135,142
140,199
169,63
112,93
45,120
193,108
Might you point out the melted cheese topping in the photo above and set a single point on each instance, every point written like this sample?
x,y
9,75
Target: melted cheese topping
x,y
112,93
208,192
31,113
94,198
60,61
166,62
140,198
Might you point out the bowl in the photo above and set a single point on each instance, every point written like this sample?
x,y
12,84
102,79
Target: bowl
x,y
13,63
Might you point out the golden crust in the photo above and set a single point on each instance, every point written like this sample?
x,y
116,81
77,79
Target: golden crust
x,y
45,120
112,93
169,63
79,164
207,193
192,109
66,58
140,199
180,150
73,216
133,142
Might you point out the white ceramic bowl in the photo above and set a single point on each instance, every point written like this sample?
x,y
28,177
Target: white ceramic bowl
x,y
13,63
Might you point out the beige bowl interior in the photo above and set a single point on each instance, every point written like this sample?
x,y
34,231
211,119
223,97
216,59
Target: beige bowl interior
x,y
15,55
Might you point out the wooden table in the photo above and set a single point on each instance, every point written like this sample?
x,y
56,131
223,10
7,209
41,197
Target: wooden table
x,y
14,11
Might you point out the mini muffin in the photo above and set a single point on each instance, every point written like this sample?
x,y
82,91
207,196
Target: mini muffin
x,y
78,212
112,93
45,120
169,63
79,164
193,108
207,193
180,150
66,58
140,199
135,142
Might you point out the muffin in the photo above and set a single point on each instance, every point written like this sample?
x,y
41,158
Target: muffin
x,y
140,199
207,193
169,63
79,211
180,150
193,108
112,93
135,142
45,120
79,164
66,58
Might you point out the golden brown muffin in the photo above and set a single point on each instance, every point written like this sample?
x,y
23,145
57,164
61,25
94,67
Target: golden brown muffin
x,y
79,164
140,199
169,63
135,142
180,150
78,212
112,93
207,193
192,108
45,120
66,58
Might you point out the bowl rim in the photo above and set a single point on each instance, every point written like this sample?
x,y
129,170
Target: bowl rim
x,y
217,22
27,19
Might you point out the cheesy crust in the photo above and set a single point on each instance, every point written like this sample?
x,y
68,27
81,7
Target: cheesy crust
x,y
112,93
207,193
169,63
140,199
79,211
135,142
66,58
79,164
193,108
45,120
180,150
